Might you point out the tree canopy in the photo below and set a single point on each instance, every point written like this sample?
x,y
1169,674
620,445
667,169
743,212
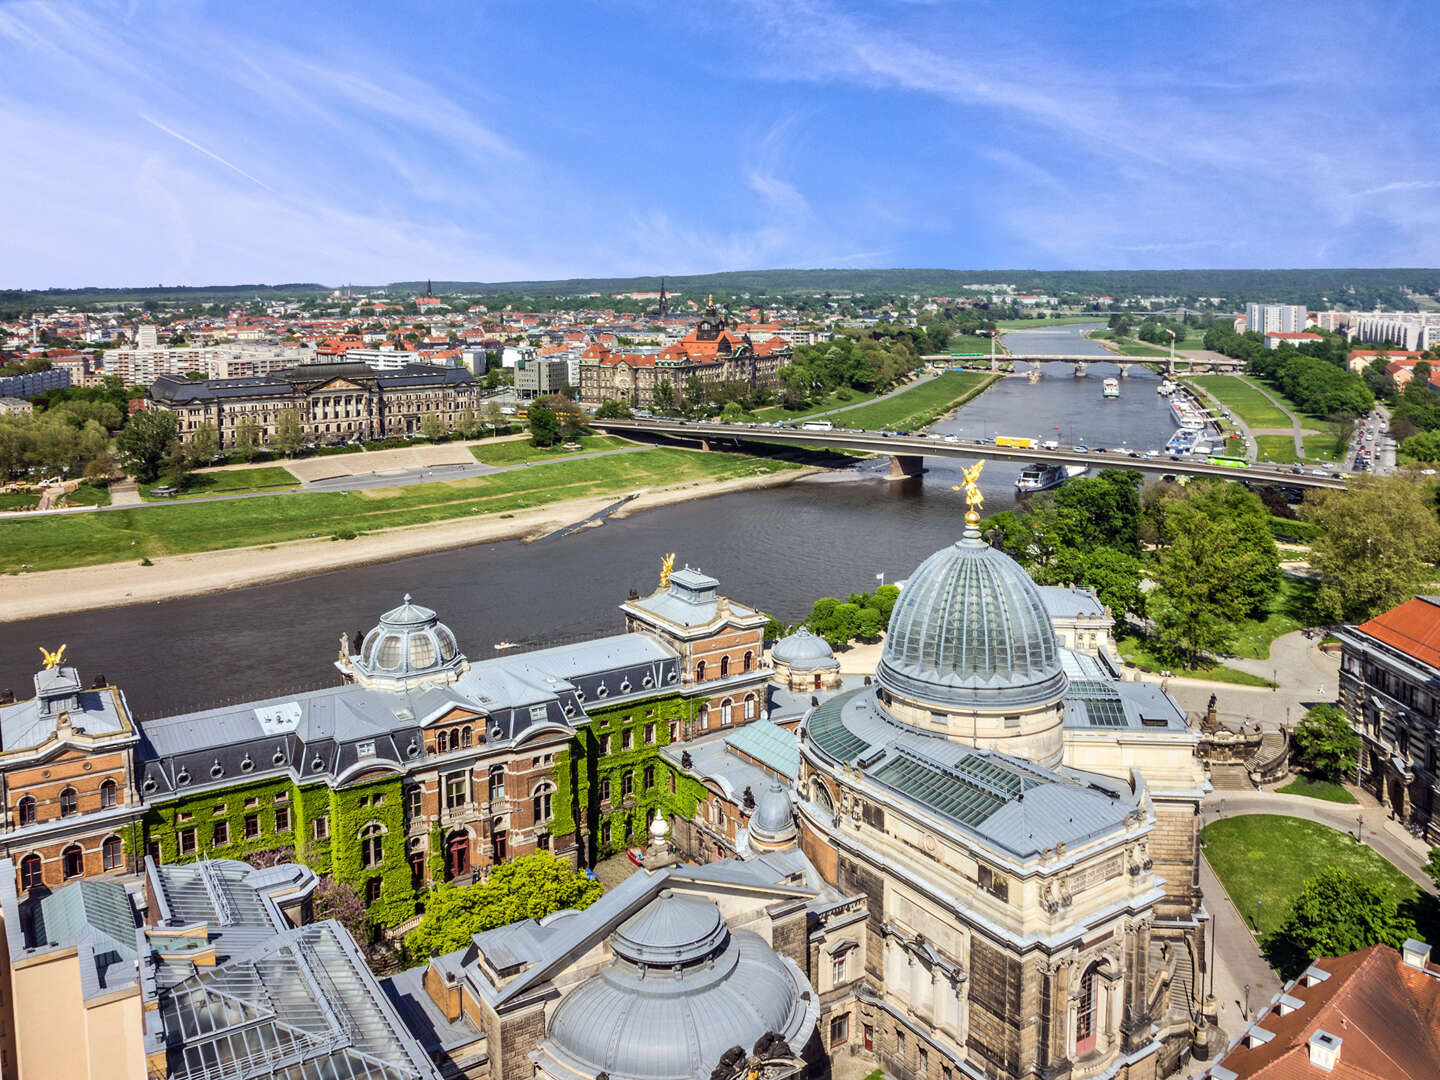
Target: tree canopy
x,y
145,442
544,425
1379,542
1337,912
1326,745
531,887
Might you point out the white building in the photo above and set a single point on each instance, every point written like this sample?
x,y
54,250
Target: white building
x,y
1281,318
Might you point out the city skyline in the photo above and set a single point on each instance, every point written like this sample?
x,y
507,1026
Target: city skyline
x,y
204,145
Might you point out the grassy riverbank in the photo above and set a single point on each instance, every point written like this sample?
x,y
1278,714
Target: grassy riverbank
x,y
920,406
1039,324
1246,402
227,482
518,451
60,541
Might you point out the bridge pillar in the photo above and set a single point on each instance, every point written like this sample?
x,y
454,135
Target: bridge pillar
x,y
904,465
1124,371
1080,367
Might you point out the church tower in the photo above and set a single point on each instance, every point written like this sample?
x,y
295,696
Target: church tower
x,y
663,298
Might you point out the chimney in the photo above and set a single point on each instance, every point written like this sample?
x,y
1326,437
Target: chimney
x,y
1415,953
1324,1050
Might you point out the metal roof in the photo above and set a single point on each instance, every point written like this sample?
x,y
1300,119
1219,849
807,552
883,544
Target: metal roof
x,y
769,744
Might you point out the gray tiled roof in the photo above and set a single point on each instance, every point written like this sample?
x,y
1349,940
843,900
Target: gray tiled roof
x,y
1063,602
1011,803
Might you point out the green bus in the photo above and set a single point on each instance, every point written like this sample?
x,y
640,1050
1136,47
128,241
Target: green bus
x,y
1228,462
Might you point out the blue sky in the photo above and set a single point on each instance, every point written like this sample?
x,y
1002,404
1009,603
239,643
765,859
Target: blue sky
x,y
194,143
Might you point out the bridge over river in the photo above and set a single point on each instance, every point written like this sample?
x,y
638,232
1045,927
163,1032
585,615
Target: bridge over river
x,y
1171,364
908,452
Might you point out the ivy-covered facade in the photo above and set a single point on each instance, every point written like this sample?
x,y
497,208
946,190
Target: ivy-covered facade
x,y
423,765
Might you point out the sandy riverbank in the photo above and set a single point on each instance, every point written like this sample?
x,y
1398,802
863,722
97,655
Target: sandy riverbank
x,y
86,588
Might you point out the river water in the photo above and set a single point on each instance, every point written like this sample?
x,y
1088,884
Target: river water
x,y
778,549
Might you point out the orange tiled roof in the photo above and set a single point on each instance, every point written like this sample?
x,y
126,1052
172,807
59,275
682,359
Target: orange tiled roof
x,y
1385,1012
1413,628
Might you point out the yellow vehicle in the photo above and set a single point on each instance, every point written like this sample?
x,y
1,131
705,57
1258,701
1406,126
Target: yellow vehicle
x,y
1016,441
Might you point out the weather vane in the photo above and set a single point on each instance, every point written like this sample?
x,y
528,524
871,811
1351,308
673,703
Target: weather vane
x,y
974,500
667,564
52,659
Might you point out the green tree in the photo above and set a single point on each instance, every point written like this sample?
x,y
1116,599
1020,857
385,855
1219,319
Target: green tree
x,y
694,391
495,417
289,436
1337,912
432,427
144,443
466,423
569,416
247,437
1115,576
544,426
1378,545
1200,580
613,410
1422,446
204,444
1325,743
1432,865
664,394
531,887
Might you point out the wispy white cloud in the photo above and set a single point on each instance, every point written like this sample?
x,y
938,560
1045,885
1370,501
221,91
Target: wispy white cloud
x,y
203,150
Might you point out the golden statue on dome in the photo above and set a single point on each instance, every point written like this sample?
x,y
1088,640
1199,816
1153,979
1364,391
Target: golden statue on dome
x,y
52,659
667,565
974,500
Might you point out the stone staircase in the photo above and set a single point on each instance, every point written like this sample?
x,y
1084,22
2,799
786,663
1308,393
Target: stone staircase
x,y
1269,759
1230,776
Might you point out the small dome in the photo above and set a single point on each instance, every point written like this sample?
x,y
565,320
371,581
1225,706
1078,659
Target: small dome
x,y
679,992
804,651
971,631
410,641
773,821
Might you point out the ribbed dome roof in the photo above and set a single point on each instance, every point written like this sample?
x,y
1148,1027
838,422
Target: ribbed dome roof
x,y
672,930
773,820
660,1023
971,631
410,641
804,651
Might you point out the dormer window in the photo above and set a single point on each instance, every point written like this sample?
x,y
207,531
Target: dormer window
x,y
365,749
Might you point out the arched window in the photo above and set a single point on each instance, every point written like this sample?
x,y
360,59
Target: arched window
x,y
69,803
465,735
727,712
724,666
497,782
25,811
749,661
442,743
107,794
749,706
541,800
454,738
112,854
72,861
649,777
372,844
31,872
1085,1026
700,671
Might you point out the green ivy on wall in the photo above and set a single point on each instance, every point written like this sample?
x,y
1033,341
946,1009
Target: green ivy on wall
x,y
581,769
203,810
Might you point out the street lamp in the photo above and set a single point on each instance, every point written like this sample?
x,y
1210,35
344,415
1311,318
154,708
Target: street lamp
x,y
1274,680
1247,1001
1359,829
1258,902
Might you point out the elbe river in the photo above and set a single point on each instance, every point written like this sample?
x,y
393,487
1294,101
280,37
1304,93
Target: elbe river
x,y
777,549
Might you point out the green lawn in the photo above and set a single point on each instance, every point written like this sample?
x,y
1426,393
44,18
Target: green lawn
x,y
1317,789
1320,447
53,542
836,399
1267,857
1277,448
920,406
1058,320
1142,654
1128,346
514,451
1246,402
228,482
84,495
18,500
972,343
1292,609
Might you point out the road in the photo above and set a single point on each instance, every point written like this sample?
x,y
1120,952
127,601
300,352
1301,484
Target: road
x,y
901,446
1305,676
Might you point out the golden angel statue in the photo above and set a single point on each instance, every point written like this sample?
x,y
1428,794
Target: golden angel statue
x,y
52,659
973,499
667,564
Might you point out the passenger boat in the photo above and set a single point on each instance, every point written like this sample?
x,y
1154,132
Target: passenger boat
x,y
1041,477
1166,388
1112,387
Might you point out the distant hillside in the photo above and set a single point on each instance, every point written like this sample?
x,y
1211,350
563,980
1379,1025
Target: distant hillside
x,y
1312,285
1349,287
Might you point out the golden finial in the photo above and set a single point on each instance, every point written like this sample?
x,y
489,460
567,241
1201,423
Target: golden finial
x,y
667,564
974,500
52,659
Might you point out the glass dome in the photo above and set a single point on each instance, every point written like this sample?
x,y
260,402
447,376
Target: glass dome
x,y
970,631
409,642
